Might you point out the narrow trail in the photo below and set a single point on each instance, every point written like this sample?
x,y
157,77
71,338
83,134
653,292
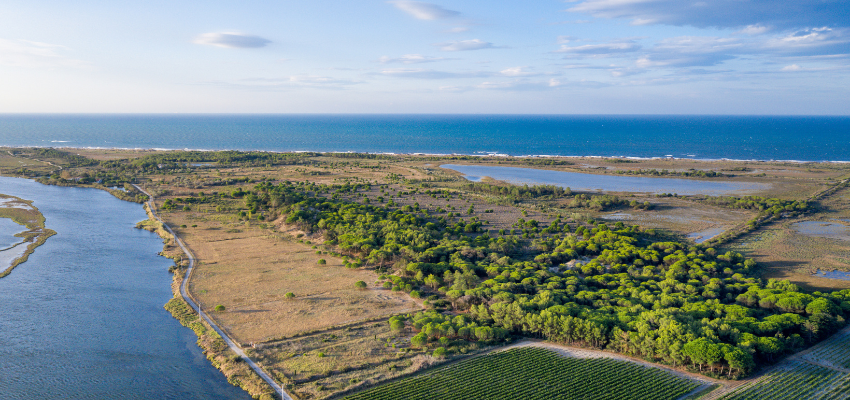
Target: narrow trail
x,y
185,293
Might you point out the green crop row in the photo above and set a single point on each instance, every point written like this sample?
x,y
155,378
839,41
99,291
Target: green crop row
x,y
535,373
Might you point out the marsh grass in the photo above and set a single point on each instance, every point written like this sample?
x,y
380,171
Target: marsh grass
x,y
24,213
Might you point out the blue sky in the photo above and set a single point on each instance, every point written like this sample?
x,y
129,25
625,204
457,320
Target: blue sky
x,y
463,56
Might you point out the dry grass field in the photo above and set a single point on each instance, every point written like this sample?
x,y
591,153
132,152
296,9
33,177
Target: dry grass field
x,y
784,253
249,270
321,364
9,163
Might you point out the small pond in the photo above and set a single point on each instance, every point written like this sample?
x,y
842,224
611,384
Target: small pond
x,y
834,275
832,230
703,235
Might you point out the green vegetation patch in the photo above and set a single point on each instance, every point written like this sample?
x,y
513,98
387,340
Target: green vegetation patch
x,y
24,213
535,373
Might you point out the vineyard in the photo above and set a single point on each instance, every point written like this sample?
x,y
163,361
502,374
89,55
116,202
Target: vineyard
x,y
822,373
535,373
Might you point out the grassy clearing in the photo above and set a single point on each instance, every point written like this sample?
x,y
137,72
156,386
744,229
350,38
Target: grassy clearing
x,y
348,358
782,253
250,270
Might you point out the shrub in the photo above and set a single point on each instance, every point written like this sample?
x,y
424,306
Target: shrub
x,y
289,295
360,285
321,261
440,352
219,308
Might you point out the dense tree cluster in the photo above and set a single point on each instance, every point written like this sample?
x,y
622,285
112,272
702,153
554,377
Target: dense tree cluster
x,y
520,192
763,204
655,172
592,285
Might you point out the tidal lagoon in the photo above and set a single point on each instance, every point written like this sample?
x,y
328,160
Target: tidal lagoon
x,y
84,317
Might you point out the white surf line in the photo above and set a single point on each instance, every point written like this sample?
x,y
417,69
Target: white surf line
x,y
184,292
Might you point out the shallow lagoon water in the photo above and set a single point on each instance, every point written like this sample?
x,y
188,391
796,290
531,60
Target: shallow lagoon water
x,y
8,229
83,318
702,236
832,230
592,182
834,275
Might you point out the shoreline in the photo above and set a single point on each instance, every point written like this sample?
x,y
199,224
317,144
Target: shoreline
x,y
186,310
424,154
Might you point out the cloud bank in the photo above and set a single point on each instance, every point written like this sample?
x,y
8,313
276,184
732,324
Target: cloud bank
x,y
29,54
411,59
465,45
722,13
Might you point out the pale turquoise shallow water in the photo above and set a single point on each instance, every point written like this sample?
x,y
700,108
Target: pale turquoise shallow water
x,y
83,318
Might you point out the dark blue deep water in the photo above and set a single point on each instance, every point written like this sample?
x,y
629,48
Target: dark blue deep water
x,y
83,318
703,137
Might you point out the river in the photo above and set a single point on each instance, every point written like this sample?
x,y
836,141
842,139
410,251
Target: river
x,y
84,317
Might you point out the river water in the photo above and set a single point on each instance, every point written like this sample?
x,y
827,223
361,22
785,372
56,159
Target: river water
x,y
84,317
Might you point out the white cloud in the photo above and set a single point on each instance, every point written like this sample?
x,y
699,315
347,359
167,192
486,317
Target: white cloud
x,y
697,44
293,81
465,45
601,50
791,68
514,71
519,85
521,71
29,54
231,40
457,29
424,11
411,59
418,73
754,29
721,13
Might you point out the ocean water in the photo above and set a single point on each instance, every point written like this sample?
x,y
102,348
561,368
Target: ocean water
x,y
701,137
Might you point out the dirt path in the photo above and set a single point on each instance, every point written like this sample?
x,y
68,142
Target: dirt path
x,y
185,293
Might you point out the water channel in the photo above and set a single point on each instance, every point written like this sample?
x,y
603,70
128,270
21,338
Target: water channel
x,y
84,317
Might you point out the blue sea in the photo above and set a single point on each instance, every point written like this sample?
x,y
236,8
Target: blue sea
x,y
800,138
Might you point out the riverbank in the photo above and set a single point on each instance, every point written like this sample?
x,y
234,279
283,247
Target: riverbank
x,y
237,369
